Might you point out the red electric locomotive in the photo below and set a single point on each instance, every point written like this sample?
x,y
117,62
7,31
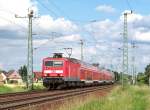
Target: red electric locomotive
x,y
58,72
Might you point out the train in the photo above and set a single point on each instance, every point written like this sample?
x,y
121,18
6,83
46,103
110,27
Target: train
x,y
61,72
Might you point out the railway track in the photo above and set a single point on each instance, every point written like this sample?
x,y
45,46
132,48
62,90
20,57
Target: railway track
x,y
24,100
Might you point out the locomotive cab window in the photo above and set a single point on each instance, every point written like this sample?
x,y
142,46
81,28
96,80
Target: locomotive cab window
x,y
48,63
54,63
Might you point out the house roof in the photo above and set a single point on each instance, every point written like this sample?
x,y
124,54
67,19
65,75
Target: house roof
x,y
14,75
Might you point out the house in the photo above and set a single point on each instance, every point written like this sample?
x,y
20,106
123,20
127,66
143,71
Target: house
x,y
14,77
3,78
37,76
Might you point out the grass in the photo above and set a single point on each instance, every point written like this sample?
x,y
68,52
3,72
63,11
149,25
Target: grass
x,y
4,89
38,86
129,98
10,88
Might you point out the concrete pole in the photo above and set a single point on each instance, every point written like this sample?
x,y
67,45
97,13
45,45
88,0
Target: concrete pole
x,y
30,52
81,42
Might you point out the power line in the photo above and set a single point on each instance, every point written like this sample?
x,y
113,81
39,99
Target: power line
x,y
129,5
68,51
44,6
12,22
62,12
8,11
59,9
47,8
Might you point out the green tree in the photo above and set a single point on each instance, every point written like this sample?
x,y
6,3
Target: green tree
x,y
147,73
117,76
23,72
141,78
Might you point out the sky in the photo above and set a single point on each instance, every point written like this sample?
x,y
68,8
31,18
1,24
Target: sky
x,y
60,24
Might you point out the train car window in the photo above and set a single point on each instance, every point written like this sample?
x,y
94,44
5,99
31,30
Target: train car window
x,y
48,63
58,63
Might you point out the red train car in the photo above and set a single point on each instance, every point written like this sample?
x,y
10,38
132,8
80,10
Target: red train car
x,y
60,72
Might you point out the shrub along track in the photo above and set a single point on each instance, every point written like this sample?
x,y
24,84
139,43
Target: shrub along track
x,y
34,98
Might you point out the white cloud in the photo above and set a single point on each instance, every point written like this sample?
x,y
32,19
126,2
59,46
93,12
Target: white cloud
x,y
142,36
138,28
68,38
105,8
40,42
91,50
61,25
105,29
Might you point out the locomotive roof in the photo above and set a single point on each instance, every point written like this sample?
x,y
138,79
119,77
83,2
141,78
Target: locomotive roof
x,y
80,62
73,60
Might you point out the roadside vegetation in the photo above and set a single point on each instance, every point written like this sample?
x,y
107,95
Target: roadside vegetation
x,y
129,98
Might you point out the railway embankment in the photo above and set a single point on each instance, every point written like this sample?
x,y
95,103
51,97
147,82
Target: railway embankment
x,y
127,98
